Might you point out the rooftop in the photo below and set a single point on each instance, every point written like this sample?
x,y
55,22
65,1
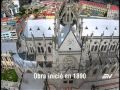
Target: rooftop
x,y
38,27
7,28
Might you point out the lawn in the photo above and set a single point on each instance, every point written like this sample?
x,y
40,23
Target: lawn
x,y
9,75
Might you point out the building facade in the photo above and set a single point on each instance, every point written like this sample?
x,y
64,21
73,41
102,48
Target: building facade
x,y
72,44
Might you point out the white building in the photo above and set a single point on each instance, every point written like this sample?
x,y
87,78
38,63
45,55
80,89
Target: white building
x,y
8,33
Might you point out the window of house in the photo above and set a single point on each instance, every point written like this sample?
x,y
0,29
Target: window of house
x,y
39,43
96,28
105,47
95,42
113,48
49,49
39,49
70,81
104,70
50,43
38,28
102,48
112,70
30,29
115,28
95,71
86,27
92,48
49,28
42,49
106,28
96,47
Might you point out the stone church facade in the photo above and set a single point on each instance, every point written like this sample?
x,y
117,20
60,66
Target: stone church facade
x,y
74,44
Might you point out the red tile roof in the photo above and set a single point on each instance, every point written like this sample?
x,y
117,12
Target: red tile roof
x,y
93,3
5,19
114,7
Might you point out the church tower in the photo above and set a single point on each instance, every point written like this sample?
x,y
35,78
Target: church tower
x,y
68,35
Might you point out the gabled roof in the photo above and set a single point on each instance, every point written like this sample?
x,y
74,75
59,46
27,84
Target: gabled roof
x,y
64,33
103,25
46,26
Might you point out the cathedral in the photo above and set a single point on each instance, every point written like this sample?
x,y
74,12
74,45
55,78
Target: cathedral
x,y
73,44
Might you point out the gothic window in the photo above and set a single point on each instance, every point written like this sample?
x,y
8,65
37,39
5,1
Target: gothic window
x,y
38,28
112,70
32,49
49,28
105,47
95,71
50,43
92,48
105,42
113,47
30,29
49,64
96,47
49,49
115,28
69,48
106,28
104,70
86,27
96,28
42,49
39,43
6,59
39,49
102,48
70,81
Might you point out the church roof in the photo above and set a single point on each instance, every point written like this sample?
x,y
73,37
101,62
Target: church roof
x,y
64,32
99,26
38,27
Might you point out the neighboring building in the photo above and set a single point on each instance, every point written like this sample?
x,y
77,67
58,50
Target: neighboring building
x,y
113,12
7,60
99,9
9,8
8,32
93,6
24,2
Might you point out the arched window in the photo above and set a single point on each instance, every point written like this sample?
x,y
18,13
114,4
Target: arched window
x,y
105,47
42,49
39,50
92,48
113,47
31,49
102,48
95,71
49,49
104,70
113,69
96,47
